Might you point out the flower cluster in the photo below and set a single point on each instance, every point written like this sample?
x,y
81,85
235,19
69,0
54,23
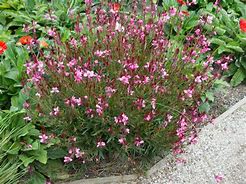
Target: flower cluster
x,y
120,82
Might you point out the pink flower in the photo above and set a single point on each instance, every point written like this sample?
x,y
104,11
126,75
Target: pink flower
x,y
88,2
149,116
55,111
72,63
125,79
138,141
173,11
67,159
198,79
110,91
164,74
198,32
89,74
181,160
121,119
153,103
26,105
139,103
51,32
122,140
101,144
224,66
189,92
119,27
209,19
27,118
78,75
78,153
90,112
218,178
54,90
73,42
43,138
169,117
101,53
193,138
126,130
164,124
48,181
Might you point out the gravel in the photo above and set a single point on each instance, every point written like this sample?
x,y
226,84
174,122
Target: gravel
x,y
227,98
220,151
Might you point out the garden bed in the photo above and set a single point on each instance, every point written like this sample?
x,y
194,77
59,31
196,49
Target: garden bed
x,y
92,88
224,99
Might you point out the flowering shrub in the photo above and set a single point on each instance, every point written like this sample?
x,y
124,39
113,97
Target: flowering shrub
x,y
121,85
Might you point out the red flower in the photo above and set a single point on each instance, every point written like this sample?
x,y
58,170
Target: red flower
x,y
242,23
181,2
116,7
25,40
3,47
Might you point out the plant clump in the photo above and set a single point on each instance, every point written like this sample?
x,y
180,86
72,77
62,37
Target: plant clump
x,y
121,84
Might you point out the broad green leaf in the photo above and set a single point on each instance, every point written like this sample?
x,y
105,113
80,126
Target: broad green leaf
x,y
226,38
41,156
210,96
35,145
238,77
13,74
226,19
205,107
37,178
222,49
190,23
234,47
243,62
56,153
217,41
26,160
220,30
34,132
220,84
10,54
231,71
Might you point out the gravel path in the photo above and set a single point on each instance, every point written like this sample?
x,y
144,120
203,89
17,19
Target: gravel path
x,y
219,154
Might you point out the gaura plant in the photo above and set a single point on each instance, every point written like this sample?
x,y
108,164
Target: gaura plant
x,y
120,84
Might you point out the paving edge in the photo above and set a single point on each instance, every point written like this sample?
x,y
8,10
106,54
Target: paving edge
x,y
156,167
106,180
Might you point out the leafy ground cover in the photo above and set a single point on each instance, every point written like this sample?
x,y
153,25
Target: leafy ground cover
x,y
109,84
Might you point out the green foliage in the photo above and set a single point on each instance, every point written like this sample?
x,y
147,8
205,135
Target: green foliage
x,y
11,73
9,171
19,144
229,38
15,14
